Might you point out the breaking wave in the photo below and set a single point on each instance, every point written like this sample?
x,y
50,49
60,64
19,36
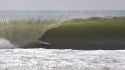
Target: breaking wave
x,y
24,33
80,33
92,33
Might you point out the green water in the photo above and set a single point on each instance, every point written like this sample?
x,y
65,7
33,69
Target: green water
x,y
92,33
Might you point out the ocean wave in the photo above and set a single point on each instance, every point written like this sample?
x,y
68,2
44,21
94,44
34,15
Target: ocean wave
x,y
92,33
78,33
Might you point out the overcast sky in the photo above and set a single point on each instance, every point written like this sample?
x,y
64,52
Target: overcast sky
x,y
62,4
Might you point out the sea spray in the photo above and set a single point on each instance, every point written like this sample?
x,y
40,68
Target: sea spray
x,y
25,33
5,44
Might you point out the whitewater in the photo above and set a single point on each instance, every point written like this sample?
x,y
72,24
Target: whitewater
x,y
53,59
59,59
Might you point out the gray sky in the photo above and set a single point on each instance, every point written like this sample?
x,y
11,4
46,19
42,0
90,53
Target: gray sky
x,y
62,4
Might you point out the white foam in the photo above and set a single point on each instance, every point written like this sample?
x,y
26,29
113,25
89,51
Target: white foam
x,y
5,44
54,59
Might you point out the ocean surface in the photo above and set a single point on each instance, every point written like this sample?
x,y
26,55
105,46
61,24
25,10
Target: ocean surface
x,y
58,15
12,58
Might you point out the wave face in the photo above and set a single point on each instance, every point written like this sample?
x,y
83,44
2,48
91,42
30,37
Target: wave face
x,y
92,33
